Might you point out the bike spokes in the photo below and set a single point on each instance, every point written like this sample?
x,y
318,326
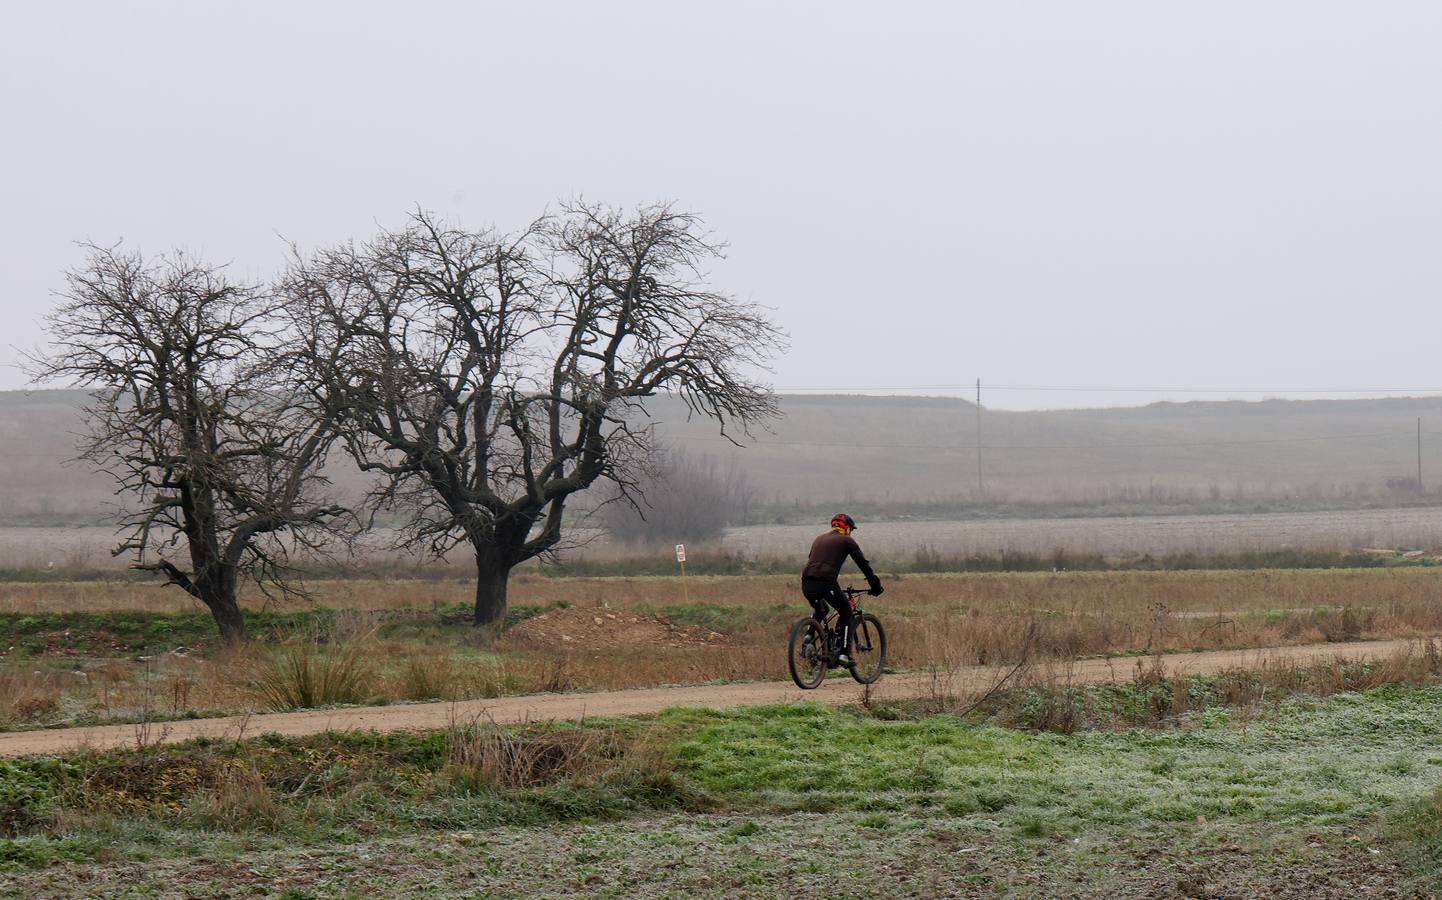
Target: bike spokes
x,y
868,649
807,654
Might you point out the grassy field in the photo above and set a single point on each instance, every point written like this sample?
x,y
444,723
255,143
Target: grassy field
x,y
1286,782
1291,797
92,652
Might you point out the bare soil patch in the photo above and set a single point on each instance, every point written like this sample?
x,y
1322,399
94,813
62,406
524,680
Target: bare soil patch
x,y
600,628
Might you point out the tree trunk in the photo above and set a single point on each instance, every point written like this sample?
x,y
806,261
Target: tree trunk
x,y
492,576
228,617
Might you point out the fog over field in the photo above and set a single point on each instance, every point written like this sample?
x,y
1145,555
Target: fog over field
x,y
905,455
1081,210
1117,536
39,548
415,337
1129,201
1278,475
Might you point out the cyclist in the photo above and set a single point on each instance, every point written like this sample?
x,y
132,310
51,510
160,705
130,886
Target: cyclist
x,y
818,580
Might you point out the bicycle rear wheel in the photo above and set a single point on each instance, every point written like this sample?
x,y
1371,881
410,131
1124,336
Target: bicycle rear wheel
x,y
868,649
806,654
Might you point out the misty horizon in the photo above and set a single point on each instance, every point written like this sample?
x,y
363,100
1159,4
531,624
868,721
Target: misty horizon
x,y
1240,200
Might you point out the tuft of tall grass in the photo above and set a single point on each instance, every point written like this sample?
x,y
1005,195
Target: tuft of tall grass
x,y
484,756
304,673
240,800
429,676
24,696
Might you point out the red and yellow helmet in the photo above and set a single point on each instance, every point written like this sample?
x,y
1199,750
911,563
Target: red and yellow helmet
x,y
844,523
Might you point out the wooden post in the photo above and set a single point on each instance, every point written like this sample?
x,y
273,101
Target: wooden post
x,y
681,558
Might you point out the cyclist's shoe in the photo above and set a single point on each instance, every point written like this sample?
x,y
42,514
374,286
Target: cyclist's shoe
x,y
843,660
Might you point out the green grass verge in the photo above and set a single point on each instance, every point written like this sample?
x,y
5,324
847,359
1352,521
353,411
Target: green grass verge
x,y
1308,764
1315,762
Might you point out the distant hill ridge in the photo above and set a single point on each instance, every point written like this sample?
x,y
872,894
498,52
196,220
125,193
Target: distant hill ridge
x,y
907,449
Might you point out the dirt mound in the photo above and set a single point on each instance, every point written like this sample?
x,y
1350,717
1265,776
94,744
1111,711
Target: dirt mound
x,y
598,628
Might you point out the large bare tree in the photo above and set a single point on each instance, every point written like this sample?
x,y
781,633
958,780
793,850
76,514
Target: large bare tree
x,y
216,459
488,378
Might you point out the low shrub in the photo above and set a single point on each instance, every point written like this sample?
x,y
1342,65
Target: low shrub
x,y
26,796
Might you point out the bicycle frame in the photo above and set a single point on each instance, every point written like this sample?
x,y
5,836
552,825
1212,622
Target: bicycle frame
x,y
815,645
831,617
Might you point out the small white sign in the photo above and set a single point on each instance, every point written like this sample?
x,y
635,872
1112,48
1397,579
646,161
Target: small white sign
x,y
680,553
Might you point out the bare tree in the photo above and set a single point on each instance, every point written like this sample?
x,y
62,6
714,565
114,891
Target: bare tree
x,y
217,459
491,377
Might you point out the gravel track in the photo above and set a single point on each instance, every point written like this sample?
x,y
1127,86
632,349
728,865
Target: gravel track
x,y
543,707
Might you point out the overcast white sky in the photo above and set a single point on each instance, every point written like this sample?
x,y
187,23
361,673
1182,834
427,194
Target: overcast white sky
x,y
1241,196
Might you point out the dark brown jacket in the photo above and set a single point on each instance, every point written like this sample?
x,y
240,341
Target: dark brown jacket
x,y
828,555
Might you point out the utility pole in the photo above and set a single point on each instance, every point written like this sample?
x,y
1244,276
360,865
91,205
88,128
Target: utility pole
x,y
1419,454
979,490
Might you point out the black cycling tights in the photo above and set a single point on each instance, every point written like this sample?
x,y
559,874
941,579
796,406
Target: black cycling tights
x,y
822,591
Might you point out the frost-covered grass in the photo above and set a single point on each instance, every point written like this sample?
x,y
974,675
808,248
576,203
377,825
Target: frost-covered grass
x,y
1313,763
1330,769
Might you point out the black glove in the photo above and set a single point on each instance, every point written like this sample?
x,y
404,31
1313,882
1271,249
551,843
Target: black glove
x,y
876,590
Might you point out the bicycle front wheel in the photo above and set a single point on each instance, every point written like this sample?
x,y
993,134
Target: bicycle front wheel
x,y
806,654
868,649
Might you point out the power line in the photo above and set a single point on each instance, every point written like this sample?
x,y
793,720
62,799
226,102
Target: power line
x,y
1102,389
1228,390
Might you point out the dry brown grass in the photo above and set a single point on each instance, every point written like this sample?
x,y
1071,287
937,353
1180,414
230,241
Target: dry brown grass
x,y
485,756
1045,695
1188,593
304,673
241,800
428,676
963,620
428,673
167,686
936,622
27,696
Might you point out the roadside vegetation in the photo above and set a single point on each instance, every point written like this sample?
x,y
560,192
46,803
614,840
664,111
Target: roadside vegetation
x,y
1297,781
1327,795
90,653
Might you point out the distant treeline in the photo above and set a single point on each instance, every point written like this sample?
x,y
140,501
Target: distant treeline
x,y
891,457
924,561
927,562
1122,503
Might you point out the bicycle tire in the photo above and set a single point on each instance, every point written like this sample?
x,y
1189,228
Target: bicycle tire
x,y
806,654
868,649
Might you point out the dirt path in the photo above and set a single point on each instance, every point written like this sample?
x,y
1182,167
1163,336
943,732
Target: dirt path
x,y
539,707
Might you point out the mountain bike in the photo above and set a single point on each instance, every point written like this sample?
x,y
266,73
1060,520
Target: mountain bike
x,y
815,645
